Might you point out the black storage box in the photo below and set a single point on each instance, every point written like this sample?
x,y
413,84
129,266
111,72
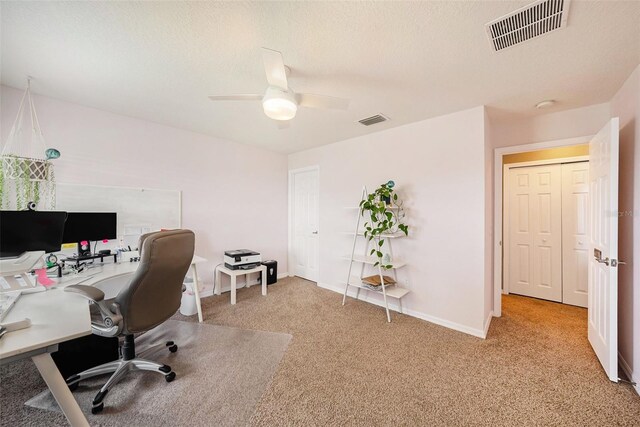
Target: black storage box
x,y
272,271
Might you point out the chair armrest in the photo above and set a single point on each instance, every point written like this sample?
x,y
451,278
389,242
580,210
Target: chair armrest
x,y
110,313
89,292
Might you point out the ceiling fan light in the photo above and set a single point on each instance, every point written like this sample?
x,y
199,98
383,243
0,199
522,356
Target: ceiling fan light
x,y
279,108
279,104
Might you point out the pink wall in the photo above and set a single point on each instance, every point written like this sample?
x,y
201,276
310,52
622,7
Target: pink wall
x,y
438,167
626,106
234,195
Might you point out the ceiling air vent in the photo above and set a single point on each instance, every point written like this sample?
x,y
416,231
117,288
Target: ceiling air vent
x,y
536,19
378,118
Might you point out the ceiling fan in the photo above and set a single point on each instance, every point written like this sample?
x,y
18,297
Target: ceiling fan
x,y
279,101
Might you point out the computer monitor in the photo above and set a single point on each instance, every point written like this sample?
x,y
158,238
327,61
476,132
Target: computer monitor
x,y
89,226
22,231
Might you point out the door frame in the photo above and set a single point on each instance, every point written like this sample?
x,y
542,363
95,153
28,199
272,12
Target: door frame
x,y
293,172
506,204
498,168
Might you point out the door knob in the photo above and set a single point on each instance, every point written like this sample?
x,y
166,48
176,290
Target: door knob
x,y
314,232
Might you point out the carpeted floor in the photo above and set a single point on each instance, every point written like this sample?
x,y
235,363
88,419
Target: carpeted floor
x,y
239,365
348,366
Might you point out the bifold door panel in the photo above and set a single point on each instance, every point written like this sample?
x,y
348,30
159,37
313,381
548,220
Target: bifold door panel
x,y
535,232
575,233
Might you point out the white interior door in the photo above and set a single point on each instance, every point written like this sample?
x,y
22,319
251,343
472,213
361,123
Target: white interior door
x,y
575,237
535,232
603,248
305,224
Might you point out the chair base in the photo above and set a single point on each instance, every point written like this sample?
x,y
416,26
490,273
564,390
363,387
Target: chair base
x,y
119,368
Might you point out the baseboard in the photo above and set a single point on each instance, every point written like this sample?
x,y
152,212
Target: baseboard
x,y
627,371
206,292
432,319
487,323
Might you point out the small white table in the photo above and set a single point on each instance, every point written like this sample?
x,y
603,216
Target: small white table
x,y
233,274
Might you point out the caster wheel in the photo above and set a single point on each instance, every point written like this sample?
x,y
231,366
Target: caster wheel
x,y
74,386
170,376
96,409
173,348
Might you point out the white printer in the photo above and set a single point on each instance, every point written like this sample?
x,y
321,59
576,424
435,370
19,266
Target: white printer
x,y
241,259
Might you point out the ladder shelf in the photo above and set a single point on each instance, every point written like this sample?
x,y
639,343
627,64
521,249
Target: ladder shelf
x,y
387,291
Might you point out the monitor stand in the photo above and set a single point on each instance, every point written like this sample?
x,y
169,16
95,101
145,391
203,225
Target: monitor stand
x,y
79,258
10,255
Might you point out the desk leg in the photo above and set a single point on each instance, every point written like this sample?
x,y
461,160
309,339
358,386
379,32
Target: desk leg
x,y
233,289
59,389
196,291
263,273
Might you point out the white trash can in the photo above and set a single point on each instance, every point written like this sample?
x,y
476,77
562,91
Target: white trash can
x,y
188,302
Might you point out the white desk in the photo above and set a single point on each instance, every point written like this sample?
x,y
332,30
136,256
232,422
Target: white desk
x,y
56,317
196,283
111,277
233,274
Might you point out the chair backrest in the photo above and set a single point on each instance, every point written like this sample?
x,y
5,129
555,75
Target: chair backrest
x,y
154,293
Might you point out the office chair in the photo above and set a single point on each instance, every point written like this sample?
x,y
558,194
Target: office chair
x,y
152,296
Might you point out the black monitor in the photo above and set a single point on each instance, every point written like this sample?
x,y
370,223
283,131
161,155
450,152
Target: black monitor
x,y
89,226
22,231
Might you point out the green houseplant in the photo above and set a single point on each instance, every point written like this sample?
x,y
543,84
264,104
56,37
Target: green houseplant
x,y
385,215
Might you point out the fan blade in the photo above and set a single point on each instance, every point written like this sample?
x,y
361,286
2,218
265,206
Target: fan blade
x,y
283,124
321,101
274,67
242,97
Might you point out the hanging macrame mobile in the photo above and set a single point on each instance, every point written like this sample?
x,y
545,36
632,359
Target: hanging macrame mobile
x,y
26,171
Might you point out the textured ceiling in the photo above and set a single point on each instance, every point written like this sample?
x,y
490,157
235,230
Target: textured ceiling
x,y
408,61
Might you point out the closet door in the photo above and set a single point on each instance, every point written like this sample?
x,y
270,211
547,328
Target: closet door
x,y
575,240
535,232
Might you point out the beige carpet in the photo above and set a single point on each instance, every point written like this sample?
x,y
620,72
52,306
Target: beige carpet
x,y
348,366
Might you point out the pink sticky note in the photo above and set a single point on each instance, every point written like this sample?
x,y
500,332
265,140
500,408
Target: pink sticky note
x,y
41,275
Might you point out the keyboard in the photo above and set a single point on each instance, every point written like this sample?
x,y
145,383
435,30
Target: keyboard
x,y
7,300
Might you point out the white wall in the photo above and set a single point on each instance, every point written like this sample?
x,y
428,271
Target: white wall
x,y
234,195
488,221
507,131
626,106
439,169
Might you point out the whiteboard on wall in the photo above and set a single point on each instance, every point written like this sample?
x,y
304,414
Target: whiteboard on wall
x,y
139,210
